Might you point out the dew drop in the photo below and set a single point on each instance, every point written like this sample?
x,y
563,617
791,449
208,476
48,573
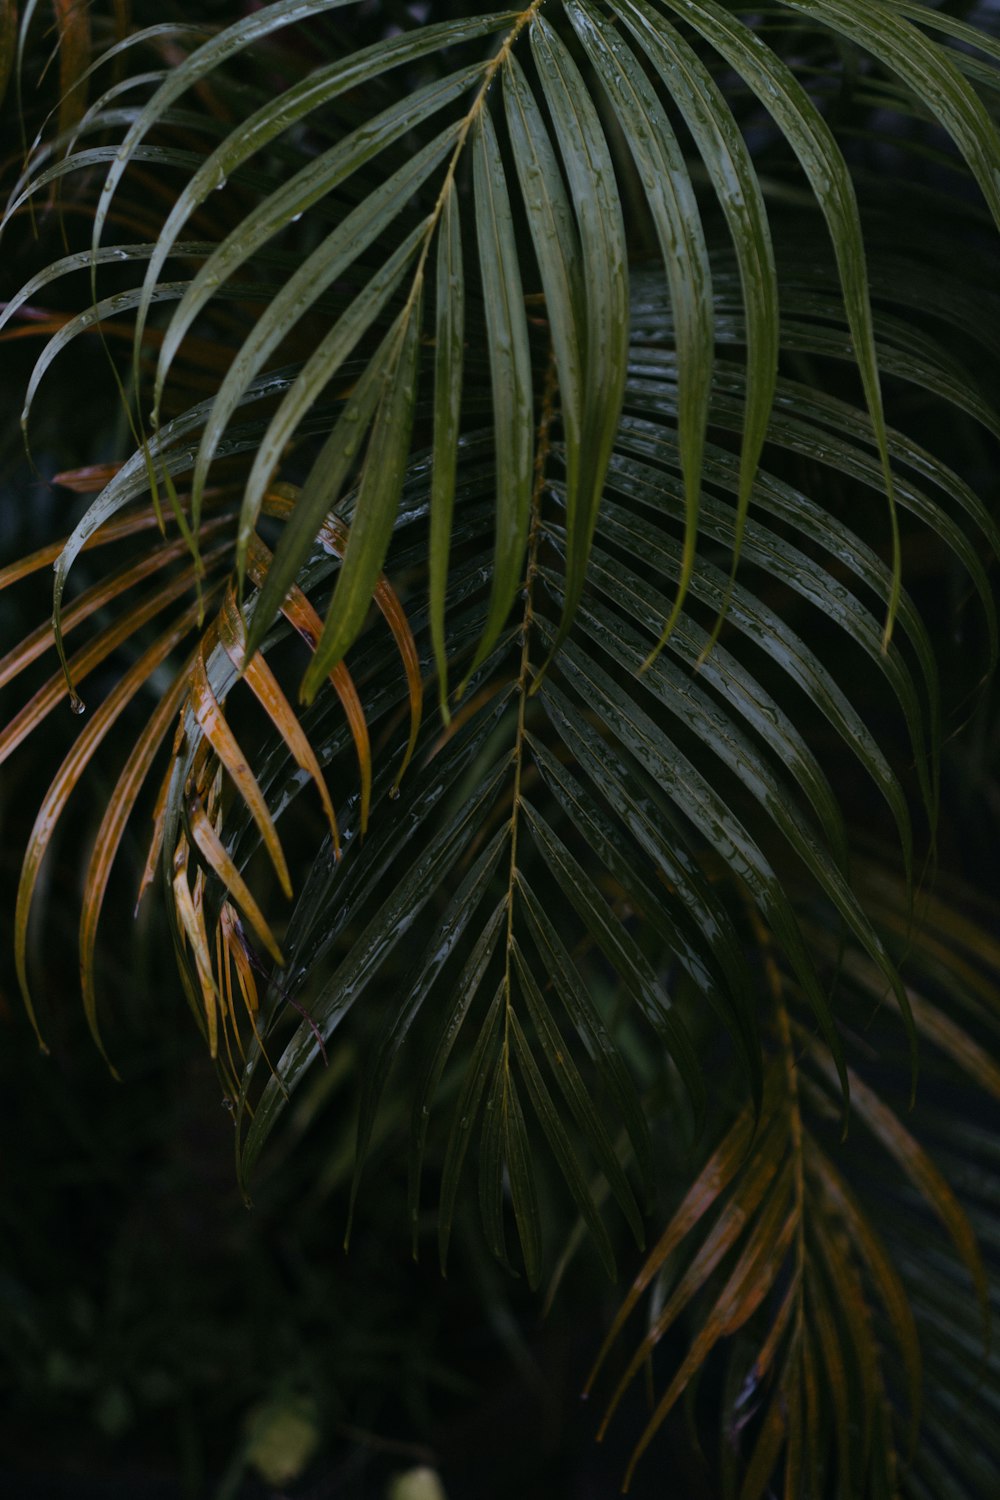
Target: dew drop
x,y
77,704
393,793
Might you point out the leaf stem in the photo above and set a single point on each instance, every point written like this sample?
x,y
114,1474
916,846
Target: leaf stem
x,y
475,110
542,446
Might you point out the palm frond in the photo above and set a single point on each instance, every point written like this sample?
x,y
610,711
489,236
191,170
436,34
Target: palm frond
x,y
379,334
569,196
610,777
841,1320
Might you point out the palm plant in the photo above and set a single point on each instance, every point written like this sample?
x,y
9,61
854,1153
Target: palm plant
x,y
637,361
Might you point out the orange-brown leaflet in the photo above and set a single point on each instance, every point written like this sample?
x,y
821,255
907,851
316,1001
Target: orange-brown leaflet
x,y
111,587
301,615
222,864
264,685
233,949
156,842
828,1343
51,323
883,1274
769,1348
139,227
8,43
760,1262
203,355
333,535
90,656
730,1224
69,774
919,1168
850,1304
123,19
112,531
236,950
956,1042
766,1450
88,479
712,1181
192,920
212,721
945,1033
109,835
227,1009
935,915
73,22
751,1280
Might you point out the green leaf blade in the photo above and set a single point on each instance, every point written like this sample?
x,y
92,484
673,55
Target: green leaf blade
x,y
603,278
677,218
449,363
510,375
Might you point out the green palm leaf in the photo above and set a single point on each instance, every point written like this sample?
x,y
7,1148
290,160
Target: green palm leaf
x,y
627,761
556,130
